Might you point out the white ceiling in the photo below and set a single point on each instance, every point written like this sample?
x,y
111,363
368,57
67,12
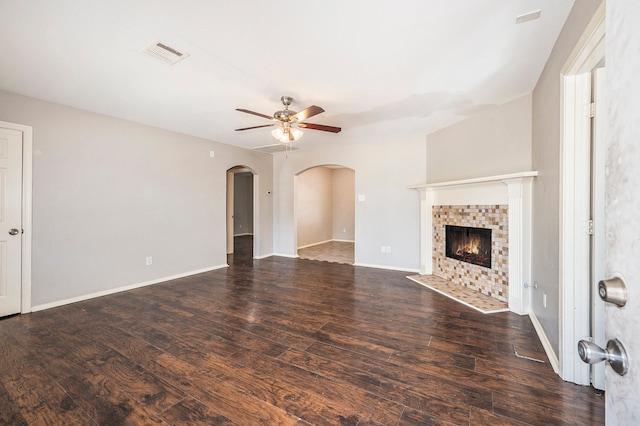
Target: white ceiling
x,y
381,69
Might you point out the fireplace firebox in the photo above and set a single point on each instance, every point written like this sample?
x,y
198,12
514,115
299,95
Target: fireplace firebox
x,y
467,244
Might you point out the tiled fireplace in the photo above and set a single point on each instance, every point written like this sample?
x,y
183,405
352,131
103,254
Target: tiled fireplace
x,y
489,274
501,204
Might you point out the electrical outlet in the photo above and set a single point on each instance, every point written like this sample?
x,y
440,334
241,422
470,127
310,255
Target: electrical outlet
x,y
149,261
383,249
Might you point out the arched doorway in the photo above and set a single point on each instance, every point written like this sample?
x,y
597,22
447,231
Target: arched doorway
x,y
325,213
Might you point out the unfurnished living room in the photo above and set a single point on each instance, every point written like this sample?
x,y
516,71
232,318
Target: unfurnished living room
x,y
341,213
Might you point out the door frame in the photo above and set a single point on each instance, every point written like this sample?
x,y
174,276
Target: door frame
x,y
230,207
27,190
574,196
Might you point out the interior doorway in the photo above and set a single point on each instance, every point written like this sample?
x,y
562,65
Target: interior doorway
x,y
582,206
241,209
325,214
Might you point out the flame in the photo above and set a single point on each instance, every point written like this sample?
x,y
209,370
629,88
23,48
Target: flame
x,y
471,247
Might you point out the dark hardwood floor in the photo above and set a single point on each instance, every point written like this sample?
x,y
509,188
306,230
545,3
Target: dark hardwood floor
x,y
281,341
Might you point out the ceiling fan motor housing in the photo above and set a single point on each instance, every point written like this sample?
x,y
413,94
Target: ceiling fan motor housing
x,y
285,114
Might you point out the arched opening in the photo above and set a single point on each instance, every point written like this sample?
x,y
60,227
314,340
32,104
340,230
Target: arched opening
x,y
241,211
325,213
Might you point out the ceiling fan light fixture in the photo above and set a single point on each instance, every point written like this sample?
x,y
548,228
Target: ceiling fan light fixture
x,y
282,135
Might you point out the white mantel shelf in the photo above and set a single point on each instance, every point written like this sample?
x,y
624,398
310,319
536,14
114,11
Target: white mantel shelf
x,y
486,179
513,190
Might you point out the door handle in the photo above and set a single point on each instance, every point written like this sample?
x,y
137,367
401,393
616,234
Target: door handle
x,y
14,231
615,355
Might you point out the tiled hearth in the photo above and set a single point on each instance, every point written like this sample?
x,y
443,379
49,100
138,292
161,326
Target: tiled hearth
x,y
492,281
501,203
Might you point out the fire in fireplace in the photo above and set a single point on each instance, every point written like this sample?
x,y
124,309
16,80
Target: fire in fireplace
x,y
472,245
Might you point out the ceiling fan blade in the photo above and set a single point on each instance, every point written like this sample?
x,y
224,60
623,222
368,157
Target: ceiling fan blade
x,y
255,127
268,117
320,127
306,113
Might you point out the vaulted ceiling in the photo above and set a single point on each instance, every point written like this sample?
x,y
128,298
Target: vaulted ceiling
x,y
381,69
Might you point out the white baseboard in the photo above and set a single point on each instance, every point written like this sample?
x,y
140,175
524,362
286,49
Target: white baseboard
x,y
548,348
388,267
324,242
314,244
120,289
264,256
291,256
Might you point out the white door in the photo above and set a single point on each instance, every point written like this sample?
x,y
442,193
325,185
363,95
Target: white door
x,y
10,221
622,207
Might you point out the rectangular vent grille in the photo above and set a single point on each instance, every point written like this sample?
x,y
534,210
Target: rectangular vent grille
x,y
164,53
525,17
272,149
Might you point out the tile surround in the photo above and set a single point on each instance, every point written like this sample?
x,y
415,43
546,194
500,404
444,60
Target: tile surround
x,y
494,281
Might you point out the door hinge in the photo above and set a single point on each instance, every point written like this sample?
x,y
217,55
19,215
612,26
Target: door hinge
x,y
591,109
590,227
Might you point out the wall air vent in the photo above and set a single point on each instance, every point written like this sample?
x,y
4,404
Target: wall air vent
x,y
164,53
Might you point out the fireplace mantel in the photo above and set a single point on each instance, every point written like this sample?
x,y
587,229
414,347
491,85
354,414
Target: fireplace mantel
x,y
513,190
480,180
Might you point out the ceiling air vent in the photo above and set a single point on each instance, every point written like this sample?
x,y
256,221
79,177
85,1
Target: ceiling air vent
x,y
525,17
164,53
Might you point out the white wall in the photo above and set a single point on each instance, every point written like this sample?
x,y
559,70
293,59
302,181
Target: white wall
x,y
108,192
344,205
495,141
390,214
314,206
546,160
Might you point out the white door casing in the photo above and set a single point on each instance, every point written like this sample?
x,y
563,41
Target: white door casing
x,y
575,198
10,221
598,159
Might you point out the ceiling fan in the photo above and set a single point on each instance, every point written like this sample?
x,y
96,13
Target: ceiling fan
x,y
288,122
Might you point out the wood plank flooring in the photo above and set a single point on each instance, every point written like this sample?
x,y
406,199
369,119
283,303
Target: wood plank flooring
x,y
281,341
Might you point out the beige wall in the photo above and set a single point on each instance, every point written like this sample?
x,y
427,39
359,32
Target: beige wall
x,y
344,204
107,193
314,206
389,215
546,159
495,141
